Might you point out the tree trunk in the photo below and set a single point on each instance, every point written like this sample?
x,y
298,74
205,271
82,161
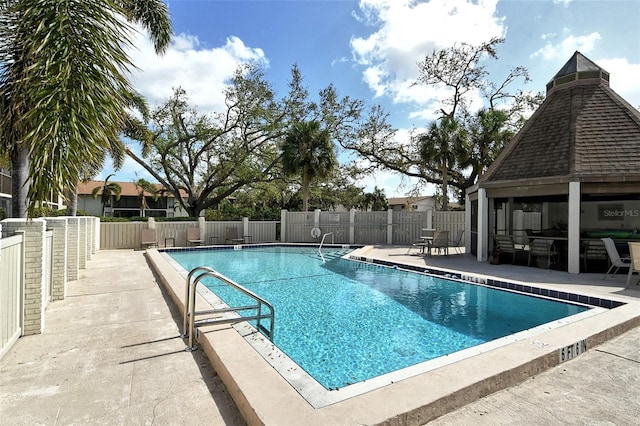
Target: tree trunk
x,y
305,191
20,182
445,187
72,201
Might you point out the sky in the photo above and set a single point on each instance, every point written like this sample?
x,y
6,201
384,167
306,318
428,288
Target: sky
x,y
369,50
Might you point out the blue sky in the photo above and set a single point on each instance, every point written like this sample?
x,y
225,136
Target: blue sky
x,y
369,49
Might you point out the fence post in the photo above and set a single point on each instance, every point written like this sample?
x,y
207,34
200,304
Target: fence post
x,y
245,226
202,227
390,226
352,226
33,284
73,244
82,242
58,257
316,218
96,230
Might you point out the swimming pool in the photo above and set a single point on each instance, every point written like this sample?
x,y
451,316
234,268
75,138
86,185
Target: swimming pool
x,y
345,322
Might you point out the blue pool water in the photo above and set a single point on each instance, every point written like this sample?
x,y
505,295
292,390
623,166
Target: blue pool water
x,y
344,322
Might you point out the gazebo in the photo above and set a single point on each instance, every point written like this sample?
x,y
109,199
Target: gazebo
x,y
572,173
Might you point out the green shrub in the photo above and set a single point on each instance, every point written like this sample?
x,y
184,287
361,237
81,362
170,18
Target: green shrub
x,y
176,219
114,219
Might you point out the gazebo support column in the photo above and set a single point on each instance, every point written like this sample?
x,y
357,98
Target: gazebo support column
x,y
574,228
483,225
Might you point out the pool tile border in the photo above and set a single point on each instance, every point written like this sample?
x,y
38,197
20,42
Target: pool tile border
x,y
469,278
256,245
499,284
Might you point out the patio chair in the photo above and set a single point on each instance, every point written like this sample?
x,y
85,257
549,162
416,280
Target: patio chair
x,y
634,254
614,257
193,236
457,241
441,242
542,248
594,251
148,238
232,236
505,244
424,243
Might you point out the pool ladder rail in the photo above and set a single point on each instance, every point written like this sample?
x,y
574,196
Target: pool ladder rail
x,y
322,242
190,324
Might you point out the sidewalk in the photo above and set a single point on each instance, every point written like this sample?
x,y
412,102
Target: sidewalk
x,y
111,354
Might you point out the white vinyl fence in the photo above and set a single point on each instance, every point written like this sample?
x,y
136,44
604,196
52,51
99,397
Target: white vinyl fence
x,y
366,228
37,258
10,291
352,227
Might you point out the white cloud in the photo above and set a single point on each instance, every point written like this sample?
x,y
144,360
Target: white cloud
x,y
203,72
623,74
623,78
406,31
566,47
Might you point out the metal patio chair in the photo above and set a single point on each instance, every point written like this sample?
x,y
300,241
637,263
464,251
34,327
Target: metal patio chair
x,y
634,254
505,244
193,237
455,243
148,238
542,248
614,258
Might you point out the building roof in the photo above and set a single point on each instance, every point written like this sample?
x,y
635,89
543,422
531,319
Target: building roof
x,y
407,200
583,131
128,188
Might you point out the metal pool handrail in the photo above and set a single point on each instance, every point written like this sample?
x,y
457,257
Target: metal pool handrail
x,y
191,304
185,324
322,242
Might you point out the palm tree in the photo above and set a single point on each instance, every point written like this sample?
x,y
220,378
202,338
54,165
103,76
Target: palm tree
x,y
444,142
109,189
144,186
308,151
63,90
489,133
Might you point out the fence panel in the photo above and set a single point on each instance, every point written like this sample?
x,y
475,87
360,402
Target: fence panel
x,y
120,235
449,221
532,220
299,226
407,226
177,231
10,291
370,227
263,232
336,223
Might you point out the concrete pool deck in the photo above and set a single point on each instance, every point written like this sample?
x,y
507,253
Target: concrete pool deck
x,y
111,354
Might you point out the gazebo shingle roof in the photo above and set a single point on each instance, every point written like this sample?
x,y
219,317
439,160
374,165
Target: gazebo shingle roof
x,y
583,131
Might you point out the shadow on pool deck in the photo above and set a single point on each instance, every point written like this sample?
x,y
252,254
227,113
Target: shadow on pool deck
x,y
111,354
